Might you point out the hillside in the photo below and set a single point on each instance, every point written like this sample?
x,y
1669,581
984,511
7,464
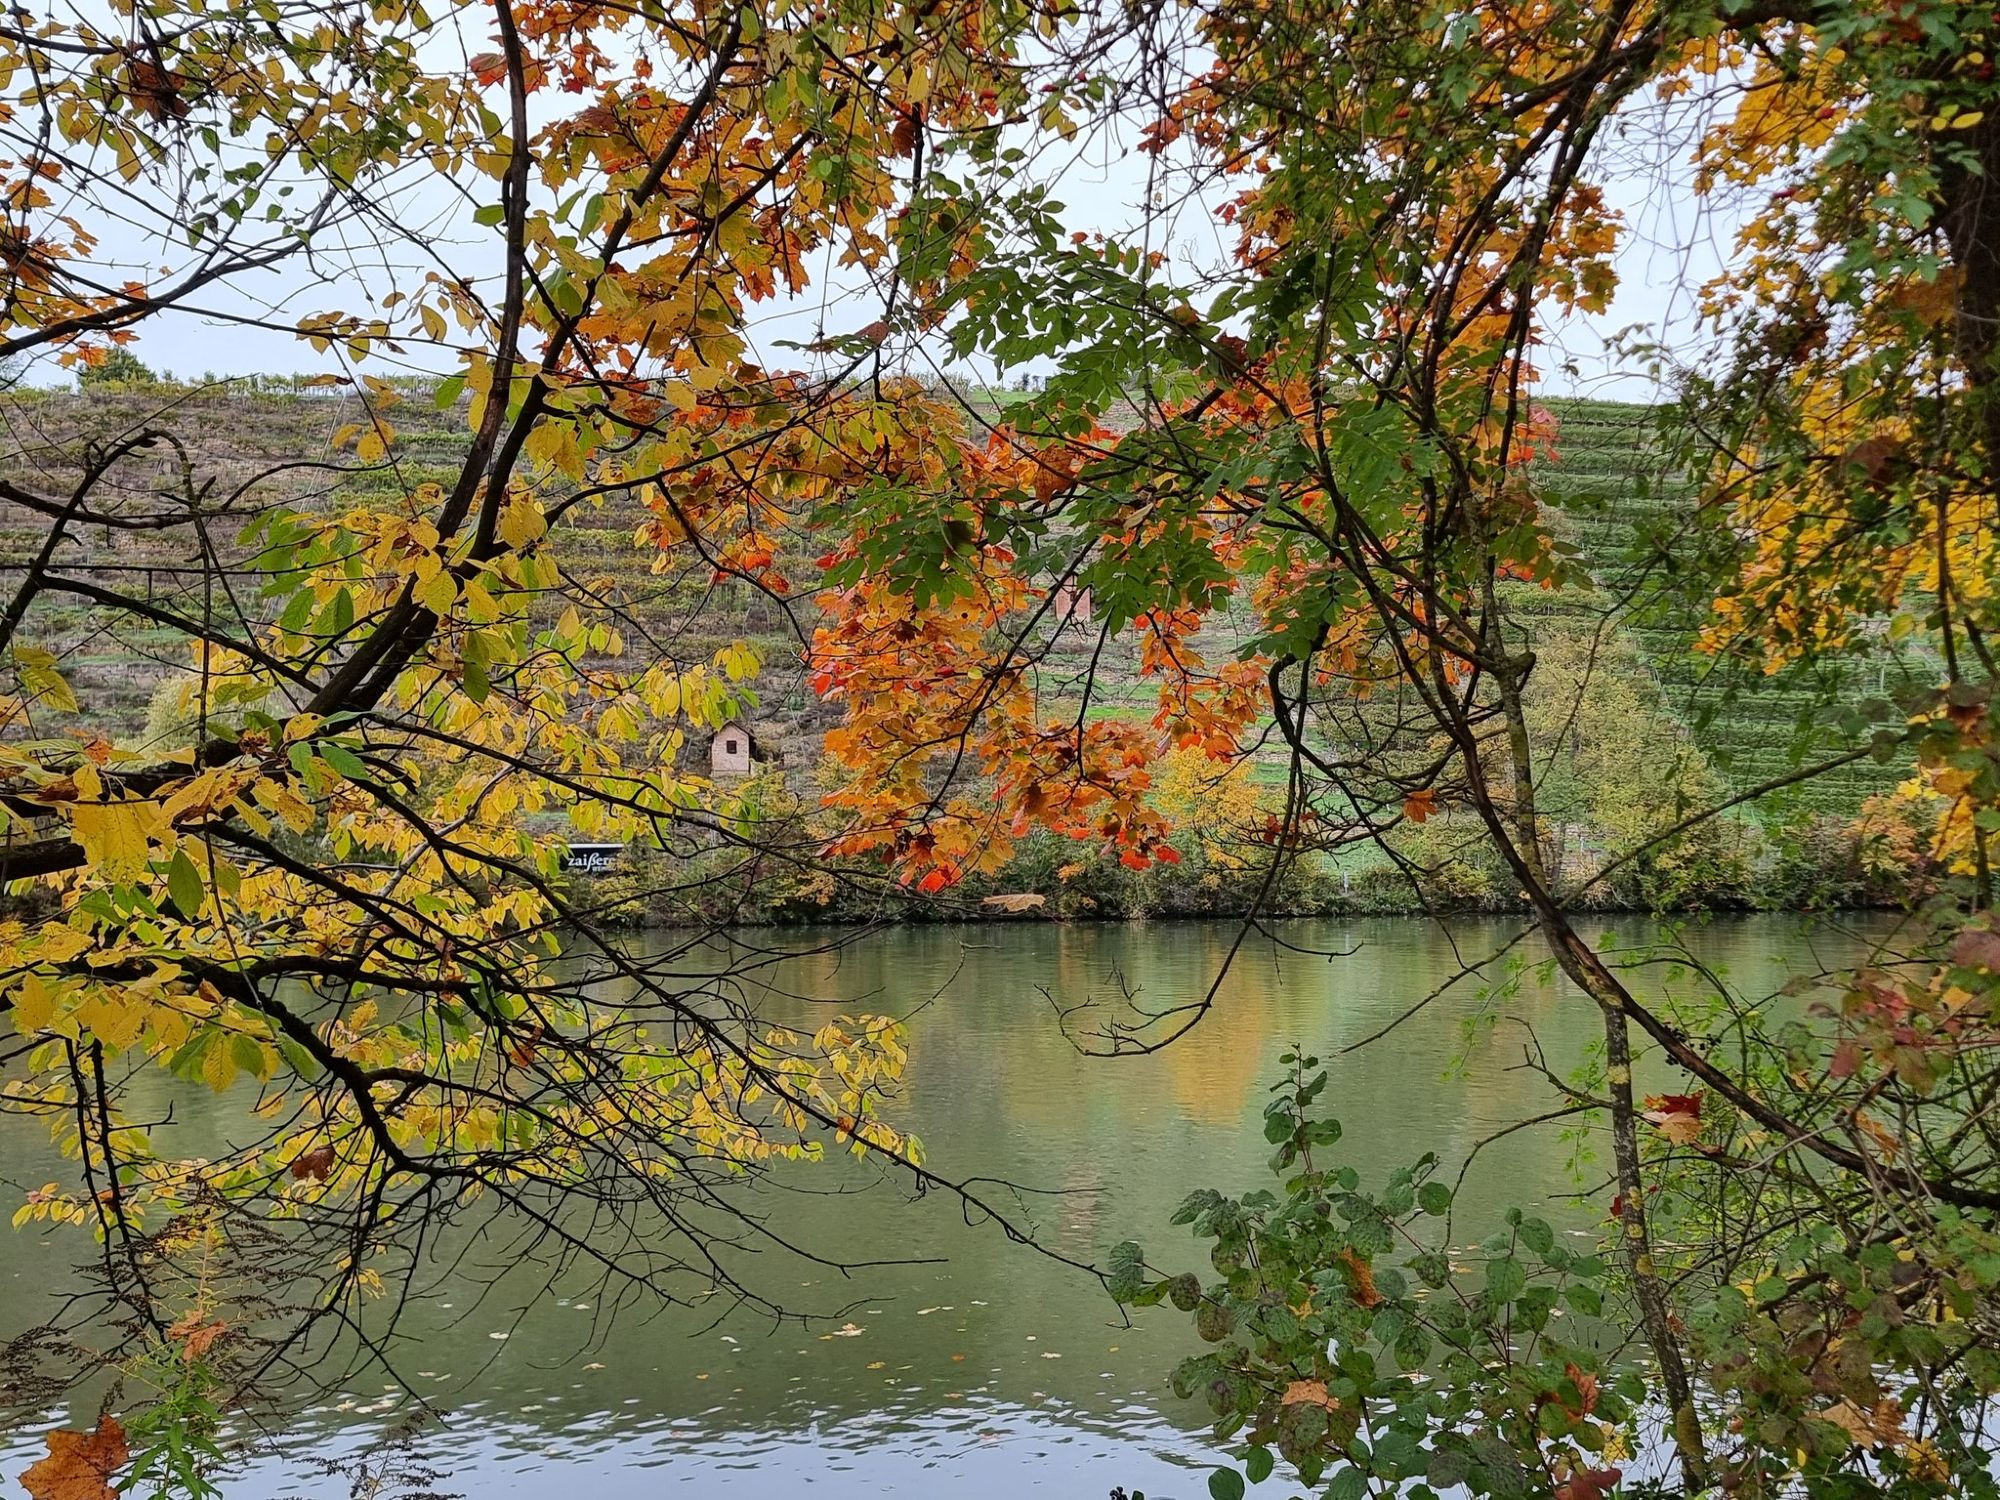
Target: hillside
x,y
1607,482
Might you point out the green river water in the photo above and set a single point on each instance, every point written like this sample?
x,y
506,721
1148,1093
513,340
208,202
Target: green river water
x,y
987,1370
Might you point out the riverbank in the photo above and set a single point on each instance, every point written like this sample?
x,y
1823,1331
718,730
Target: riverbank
x,y
1818,865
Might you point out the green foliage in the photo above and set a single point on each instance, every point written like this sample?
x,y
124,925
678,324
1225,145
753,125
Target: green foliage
x,y
1353,1347
120,369
174,1435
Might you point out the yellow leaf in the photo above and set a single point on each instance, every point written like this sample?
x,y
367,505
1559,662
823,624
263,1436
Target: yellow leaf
x,y
114,836
58,943
521,522
113,1017
439,594
34,1005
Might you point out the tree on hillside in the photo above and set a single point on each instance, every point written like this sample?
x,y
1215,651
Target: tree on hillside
x,y
118,367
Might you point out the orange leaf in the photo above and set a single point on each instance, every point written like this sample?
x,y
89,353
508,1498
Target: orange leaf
x,y
1363,1277
1419,805
1586,1387
1308,1393
1015,901
1591,1484
80,1464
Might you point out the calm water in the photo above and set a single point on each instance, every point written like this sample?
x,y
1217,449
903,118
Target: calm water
x,y
993,1371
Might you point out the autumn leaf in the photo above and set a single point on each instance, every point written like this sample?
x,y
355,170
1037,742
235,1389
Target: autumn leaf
x,y
114,836
1678,1116
1420,805
1586,1387
1015,901
196,1334
1877,1428
1309,1393
1362,1275
1589,1484
316,1164
80,1464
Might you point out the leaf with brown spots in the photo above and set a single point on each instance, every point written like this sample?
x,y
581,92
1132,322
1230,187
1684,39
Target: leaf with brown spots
x,y
80,1464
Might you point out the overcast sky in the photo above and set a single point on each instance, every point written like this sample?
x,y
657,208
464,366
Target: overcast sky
x,y
1670,248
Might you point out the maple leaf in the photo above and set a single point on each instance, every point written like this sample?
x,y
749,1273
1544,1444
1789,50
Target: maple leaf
x,y
316,1164
1678,1116
80,1464
1419,805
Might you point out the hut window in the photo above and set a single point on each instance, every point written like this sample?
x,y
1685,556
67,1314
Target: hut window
x,y
729,747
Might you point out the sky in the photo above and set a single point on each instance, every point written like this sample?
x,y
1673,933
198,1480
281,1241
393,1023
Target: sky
x,y
1671,246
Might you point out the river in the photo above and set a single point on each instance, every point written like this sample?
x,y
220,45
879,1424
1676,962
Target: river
x,y
987,1369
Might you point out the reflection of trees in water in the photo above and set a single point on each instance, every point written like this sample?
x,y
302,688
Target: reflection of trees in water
x,y
994,1089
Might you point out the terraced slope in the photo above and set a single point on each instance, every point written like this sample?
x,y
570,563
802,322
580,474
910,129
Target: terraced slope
x,y
1615,495
1620,501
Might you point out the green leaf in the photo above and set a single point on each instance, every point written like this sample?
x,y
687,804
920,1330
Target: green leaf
x,y
1226,1484
1505,1280
343,760
1258,1463
1434,1198
1537,1236
1448,1466
299,1060
184,884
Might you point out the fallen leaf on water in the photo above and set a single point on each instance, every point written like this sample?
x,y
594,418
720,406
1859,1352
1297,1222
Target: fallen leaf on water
x,y
1015,901
878,1364
500,1335
958,1359
594,1365
847,1331
80,1464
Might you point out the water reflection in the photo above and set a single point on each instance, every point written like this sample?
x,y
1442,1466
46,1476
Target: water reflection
x,y
983,1369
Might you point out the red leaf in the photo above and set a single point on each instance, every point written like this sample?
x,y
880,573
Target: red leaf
x,y
1677,1115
